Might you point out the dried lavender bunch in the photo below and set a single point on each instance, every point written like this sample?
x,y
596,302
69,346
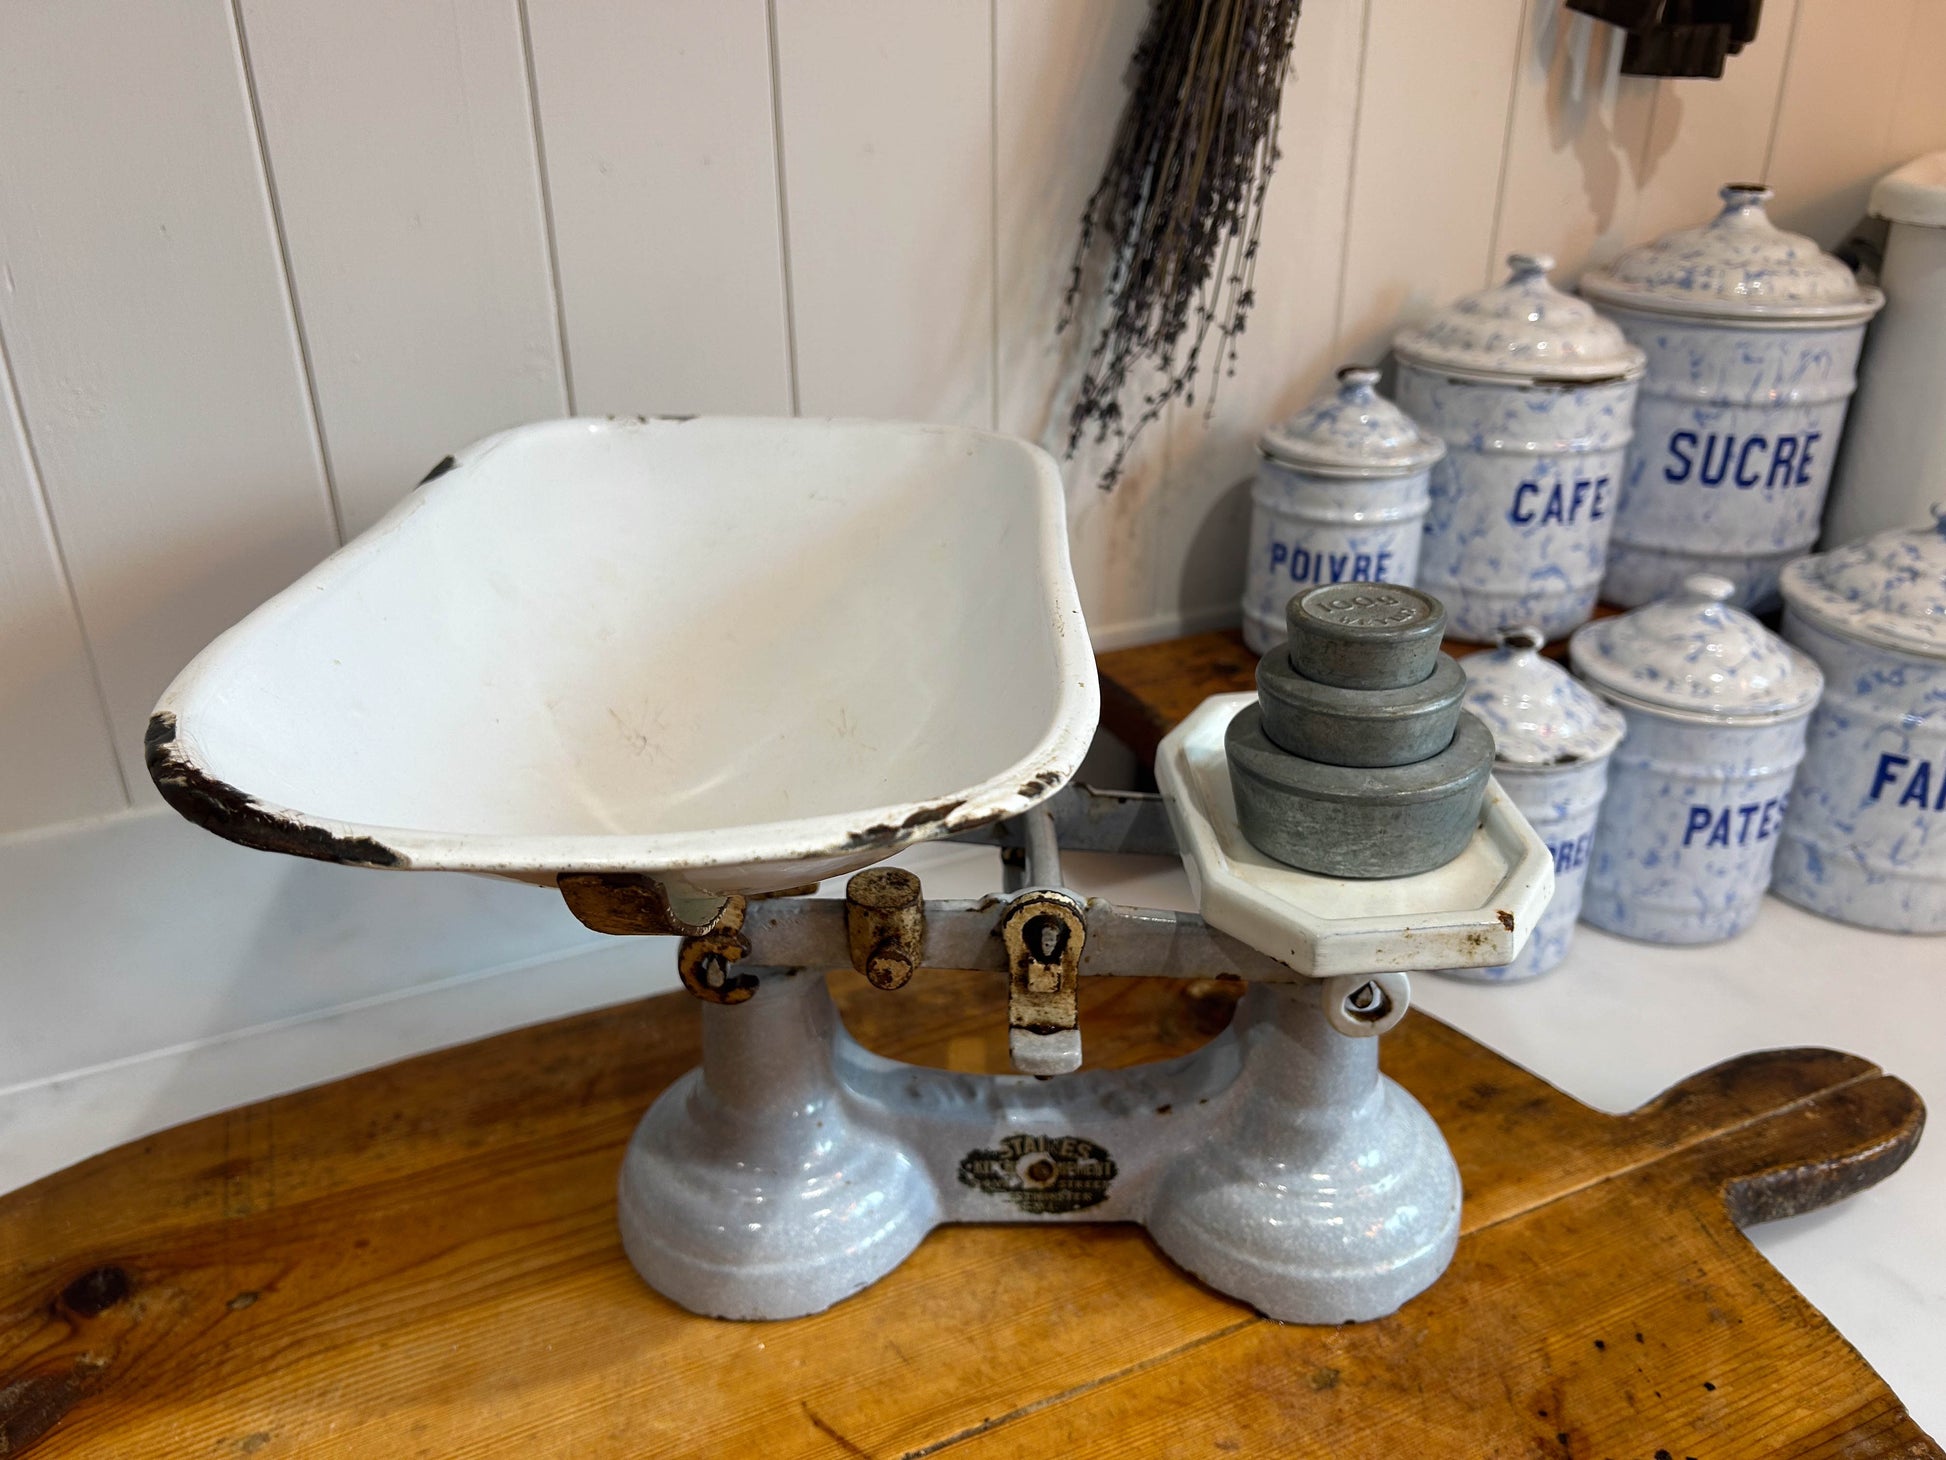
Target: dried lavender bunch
x,y
1178,211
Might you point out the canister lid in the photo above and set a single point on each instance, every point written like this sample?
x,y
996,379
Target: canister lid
x,y
1524,330
1692,656
1888,590
1537,712
1740,266
1916,193
1353,431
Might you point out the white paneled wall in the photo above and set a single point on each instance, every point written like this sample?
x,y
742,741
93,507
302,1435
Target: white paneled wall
x,y
262,262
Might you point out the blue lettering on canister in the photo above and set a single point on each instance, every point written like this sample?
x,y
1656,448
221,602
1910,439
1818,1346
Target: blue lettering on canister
x,y
1740,825
1305,568
1569,855
1905,782
1745,462
1583,499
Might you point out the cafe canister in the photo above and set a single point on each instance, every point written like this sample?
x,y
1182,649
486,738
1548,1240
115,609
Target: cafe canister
x,y
1533,394
1716,707
1552,741
1752,336
1865,840
1340,497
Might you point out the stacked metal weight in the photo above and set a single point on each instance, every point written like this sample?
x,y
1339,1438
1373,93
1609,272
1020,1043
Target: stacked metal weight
x,y
1357,759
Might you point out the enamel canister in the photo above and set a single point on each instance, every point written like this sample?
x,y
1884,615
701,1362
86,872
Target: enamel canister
x,y
1716,707
1865,840
1752,336
1552,741
1533,394
1340,497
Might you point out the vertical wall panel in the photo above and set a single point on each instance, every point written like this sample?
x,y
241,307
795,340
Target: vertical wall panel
x,y
1707,133
145,309
887,111
1432,126
402,155
1059,79
1575,143
1289,347
1841,96
1919,119
657,129
56,759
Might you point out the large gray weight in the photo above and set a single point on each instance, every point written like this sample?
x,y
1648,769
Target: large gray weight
x,y
1346,821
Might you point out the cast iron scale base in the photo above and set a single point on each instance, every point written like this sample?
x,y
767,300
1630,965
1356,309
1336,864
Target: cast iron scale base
x,y
794,1167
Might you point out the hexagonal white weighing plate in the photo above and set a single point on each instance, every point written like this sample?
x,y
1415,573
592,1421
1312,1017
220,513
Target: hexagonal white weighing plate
x,y
1475,912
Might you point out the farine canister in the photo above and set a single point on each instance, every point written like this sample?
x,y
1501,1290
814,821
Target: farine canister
x,y
1865,840
1752,336
1716,707
1340,497
1552,741
1533,394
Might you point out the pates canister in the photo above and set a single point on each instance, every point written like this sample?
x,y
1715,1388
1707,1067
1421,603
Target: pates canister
x,y
1552,742
1865,840
1716,707
1340,497
1752,336
1534,396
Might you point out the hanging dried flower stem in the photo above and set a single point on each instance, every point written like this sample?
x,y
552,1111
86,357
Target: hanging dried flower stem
x,y
1178,211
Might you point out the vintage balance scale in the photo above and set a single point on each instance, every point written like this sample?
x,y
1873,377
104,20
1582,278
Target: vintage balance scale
x,y
682,669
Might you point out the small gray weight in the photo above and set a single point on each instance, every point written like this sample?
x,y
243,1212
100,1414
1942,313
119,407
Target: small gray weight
x,y
1359,727
1345,821
1365,635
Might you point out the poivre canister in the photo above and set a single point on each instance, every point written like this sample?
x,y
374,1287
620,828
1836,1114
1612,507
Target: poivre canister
x,y
1865,840
1716,707
1340,497
1533,394
1752,336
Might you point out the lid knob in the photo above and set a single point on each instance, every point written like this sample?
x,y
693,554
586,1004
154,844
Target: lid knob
x,y
1708,588
1520,636
1530,266
1357,382
1744,203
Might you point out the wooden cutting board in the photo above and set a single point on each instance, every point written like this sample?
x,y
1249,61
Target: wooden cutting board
x,y
423,1261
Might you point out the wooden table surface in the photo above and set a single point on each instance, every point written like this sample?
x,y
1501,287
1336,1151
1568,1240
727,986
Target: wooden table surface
x,y
423,1261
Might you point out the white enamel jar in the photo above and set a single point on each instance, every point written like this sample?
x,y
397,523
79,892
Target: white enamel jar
x,y
1697,794
1865,841
1534,395
1895,441
1752,336
1552,740
1340,497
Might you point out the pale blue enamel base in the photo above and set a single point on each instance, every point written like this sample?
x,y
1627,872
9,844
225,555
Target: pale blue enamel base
x,y
1656,873
1865,841
1735,437
1517,531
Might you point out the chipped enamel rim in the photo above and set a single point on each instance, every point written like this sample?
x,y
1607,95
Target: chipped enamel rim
x,y
758,857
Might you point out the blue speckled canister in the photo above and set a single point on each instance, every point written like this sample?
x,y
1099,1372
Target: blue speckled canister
x,y
1552,741
1697,795
1533,394
1752,336
1865,840
1340,497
